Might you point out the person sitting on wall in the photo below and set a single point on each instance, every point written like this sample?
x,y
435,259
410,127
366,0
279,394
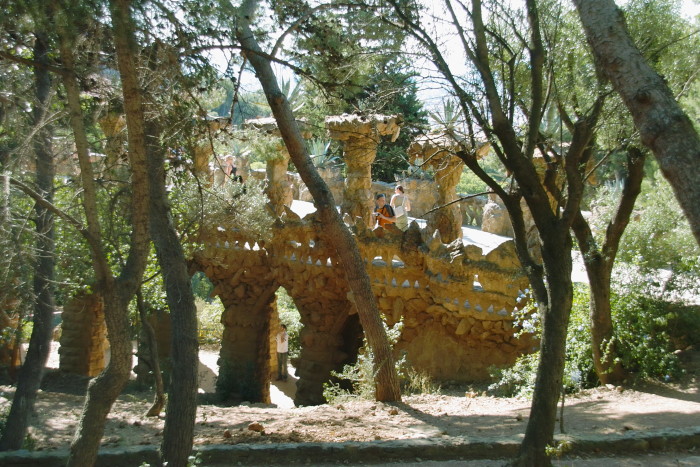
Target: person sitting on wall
x,y
401,204
383,212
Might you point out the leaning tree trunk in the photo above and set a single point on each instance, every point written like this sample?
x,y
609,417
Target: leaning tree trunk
x,y
387,386
117,292
599,263
32,371
178,434
662,125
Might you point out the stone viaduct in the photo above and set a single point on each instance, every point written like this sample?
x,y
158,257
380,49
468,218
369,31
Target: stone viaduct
x,y
455,299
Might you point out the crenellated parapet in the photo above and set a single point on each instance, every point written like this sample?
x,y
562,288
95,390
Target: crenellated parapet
x,y
455,300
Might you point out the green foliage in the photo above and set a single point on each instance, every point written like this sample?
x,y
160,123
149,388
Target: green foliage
x,y
447,118
289,315
579,372
644,326
647,332
361,376
202,286
519,380
416,382
396,93
469,183
659,236
237,206
321,154
211,329
558,449
691,104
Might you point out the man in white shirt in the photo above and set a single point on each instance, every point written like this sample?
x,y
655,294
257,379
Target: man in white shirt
x,y
282,350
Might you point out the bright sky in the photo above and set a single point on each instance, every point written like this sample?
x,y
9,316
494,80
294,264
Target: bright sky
x,y
431,94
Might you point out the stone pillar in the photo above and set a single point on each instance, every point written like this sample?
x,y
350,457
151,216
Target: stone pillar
x,y
360,135
83,336
9,350
329,339
204,150
244,360
162,327
495,218
113,125
279,187
435,150
447,220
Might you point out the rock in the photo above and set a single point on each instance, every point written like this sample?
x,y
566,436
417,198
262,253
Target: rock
x,y
227,434
257,427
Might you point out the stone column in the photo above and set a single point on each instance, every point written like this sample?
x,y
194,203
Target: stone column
x,y
437,151
360,135
244,361
279,187
83,336
113,125
204,149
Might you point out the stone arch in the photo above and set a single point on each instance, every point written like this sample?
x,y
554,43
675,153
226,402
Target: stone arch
x,y
329,338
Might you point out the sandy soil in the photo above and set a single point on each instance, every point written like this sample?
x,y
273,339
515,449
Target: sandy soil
x,y
455,412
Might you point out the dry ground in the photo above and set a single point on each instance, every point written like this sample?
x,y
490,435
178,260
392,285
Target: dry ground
x,y
456,412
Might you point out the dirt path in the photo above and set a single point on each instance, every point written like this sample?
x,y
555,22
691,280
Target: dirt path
x,y
456,412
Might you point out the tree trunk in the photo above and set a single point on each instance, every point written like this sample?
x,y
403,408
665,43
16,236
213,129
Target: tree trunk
x,y
152,344
662,125
607,367
178,434
117,293
548,384
387,386
599,264
32,371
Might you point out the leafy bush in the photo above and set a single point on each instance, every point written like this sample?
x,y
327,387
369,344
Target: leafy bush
x,y
658,236
211,329
519,380
234,206
642,333
648,330
289,315
361,376
202,286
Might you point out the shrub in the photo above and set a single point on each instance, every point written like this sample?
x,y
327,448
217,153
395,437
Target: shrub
x,y
519,380
647,332
289,315
642,334
361,377
211,329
